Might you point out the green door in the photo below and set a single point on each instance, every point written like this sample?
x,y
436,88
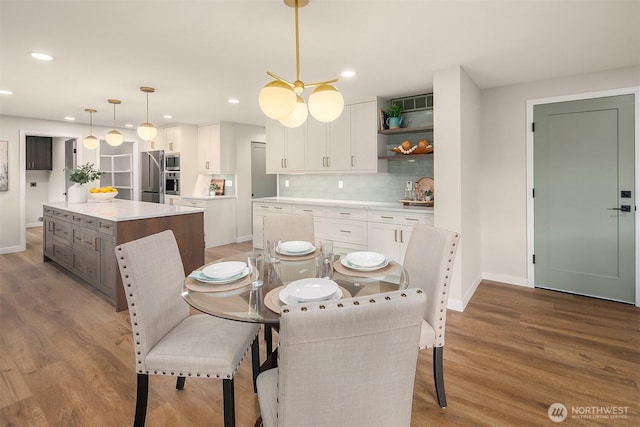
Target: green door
x,y
583,183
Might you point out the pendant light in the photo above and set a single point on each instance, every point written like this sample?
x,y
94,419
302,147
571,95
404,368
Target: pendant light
x,y
91,142
146,131
114,137
281,100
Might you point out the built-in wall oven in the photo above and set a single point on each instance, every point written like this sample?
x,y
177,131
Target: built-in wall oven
x,y
172,162
172,183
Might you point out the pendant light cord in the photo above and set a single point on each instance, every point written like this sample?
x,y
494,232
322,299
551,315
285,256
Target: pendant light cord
x,y
297,45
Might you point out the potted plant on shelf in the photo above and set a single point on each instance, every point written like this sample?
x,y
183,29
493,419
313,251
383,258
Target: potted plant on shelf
x,y
212,189
77,193
394,121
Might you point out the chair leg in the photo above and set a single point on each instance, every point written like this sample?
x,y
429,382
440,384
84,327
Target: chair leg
x,y
228,402
180,383
141,400
268,338
255,362
438,376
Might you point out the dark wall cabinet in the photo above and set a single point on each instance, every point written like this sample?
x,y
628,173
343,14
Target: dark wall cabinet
x,y
39,153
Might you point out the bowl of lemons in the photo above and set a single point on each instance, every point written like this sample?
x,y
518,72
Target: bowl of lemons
x,y
103,194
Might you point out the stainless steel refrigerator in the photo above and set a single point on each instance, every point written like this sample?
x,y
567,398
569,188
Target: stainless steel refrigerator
x,y
152,176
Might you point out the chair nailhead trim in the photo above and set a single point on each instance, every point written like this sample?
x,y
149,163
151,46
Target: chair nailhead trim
x,y
356,303
286,310
322,307
340,305
372,300
303,308
387,298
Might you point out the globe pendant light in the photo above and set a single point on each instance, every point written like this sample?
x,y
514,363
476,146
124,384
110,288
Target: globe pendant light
x,y
298,116
146,131
281,100
114,137
91,142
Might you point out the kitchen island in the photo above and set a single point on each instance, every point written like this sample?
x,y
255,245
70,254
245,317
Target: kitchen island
x,y
81,238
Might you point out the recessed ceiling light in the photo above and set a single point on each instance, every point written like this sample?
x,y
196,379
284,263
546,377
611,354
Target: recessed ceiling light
x,y
41,56
5,92
348,73
233,101
168,116
69,118
128,125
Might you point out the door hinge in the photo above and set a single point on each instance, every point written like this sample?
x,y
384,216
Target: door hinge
x,y
534,259
533,126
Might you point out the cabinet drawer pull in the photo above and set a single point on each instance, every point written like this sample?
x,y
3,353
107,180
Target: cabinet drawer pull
x,y
52,226
395,235
386,217
96,244
345,213
328,162
345,231
277,207
264,207
412,219
307,210
206,164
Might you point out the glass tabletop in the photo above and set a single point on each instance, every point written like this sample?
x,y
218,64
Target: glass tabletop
x,y
239,301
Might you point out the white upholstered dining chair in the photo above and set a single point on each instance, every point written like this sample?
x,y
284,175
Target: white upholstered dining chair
x,y
167,340
288,227
348,363
429,264
285,228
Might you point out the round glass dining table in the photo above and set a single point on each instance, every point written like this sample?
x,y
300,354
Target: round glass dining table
x,y
241,302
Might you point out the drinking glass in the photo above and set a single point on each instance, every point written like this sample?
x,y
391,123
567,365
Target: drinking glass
x,y
324,259
272,245
256,262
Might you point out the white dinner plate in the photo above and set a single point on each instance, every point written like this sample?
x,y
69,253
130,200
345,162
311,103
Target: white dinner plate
x,y
365,259
224,270
311,289
241,275
347,264
285,298
294,247
287,253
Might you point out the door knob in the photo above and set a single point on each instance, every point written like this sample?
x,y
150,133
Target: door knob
x,y
622,208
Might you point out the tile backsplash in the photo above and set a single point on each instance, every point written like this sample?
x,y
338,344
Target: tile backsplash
x,y
379,187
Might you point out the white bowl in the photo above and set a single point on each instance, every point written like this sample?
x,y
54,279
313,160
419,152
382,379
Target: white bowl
x,y
312,289
294,246
104,196
365,259
224,270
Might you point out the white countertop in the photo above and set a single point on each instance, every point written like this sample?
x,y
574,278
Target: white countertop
x,y
347,204
123,210
208,197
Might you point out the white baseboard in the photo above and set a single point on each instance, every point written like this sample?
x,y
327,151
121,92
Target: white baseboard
x,y
510,280
11,249
242,239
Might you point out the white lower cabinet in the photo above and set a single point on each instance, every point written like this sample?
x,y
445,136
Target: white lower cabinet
x,y
350,228
389,231
219,219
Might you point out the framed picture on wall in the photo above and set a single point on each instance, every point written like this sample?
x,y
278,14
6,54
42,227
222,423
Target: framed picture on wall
x,y
4,166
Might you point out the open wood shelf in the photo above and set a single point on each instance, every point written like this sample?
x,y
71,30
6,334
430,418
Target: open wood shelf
x,y
406,130
405,156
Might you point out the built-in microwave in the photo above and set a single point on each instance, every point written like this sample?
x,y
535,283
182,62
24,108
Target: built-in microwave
x,y
172,183
172,162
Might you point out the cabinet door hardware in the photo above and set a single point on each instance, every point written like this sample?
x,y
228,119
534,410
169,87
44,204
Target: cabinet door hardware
x,y
353,163
395,235
345,213
386,217
96,244
401,236
345,231
411,219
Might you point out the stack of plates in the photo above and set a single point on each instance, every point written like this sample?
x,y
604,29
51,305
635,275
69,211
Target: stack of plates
x,y
309,290
364,261
224,272
295,248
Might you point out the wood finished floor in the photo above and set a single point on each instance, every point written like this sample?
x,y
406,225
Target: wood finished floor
x,y
66,358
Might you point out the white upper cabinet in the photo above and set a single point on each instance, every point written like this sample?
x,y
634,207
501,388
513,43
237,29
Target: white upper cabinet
x,y
216,151
172,139
285,148
364,137
328,144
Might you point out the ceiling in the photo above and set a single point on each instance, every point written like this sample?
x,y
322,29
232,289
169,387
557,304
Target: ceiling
x,y
198,54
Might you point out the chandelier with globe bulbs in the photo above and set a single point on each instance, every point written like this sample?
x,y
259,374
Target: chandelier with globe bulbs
x,y
281,100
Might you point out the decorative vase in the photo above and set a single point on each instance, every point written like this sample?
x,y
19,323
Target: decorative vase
x,y
212,193
77,193
394,122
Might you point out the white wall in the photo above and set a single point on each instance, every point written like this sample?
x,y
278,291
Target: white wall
x,y
457,169
242,136
13,202
504,197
